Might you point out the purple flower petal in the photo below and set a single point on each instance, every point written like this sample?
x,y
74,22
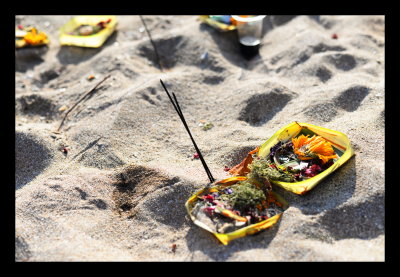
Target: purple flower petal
x,y
228,191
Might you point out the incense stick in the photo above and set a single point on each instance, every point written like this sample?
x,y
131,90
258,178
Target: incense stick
x,y
175,103
179,111
152,42
194,143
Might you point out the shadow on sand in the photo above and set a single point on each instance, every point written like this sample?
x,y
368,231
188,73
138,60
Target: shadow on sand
x,y
26,168
28,58
199,239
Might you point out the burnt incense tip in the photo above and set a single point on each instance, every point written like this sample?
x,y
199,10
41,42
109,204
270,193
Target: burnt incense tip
x,y
162,83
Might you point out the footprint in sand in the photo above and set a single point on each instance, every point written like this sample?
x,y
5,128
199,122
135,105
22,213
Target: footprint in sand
x,y
166,49
133,183
343,62
260,108
348,100
36,105
32,156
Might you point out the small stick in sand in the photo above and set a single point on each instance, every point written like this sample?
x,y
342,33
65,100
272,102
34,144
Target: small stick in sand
x,y
152,42
81,99
179,112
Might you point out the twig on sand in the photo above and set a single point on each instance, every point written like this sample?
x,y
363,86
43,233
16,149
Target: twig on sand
x,y
152,42
81,99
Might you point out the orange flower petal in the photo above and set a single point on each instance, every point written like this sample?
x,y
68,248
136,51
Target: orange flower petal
x,y
304,147
34,38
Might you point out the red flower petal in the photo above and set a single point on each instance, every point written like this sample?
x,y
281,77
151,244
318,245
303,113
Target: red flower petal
x,y
208,197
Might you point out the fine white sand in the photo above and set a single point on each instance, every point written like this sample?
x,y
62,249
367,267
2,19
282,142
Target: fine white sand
x,y
118,194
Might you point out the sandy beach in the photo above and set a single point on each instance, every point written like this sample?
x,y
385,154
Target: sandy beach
x,y
111,185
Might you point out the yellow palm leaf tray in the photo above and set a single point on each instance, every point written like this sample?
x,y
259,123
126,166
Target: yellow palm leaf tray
x,y
225,238
339,141
94,41
217,24
30,37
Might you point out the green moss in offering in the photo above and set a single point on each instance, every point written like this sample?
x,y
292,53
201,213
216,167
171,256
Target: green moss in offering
x,y
262,168
244,195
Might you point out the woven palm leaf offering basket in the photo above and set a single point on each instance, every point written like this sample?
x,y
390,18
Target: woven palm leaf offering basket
x,y
235,207
29,36
297,157
88,31
220,22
